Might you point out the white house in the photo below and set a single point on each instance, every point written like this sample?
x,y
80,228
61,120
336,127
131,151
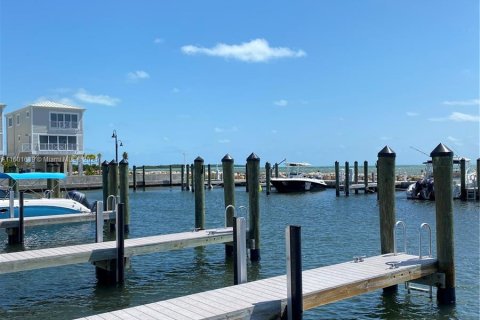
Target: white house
x,y
44,132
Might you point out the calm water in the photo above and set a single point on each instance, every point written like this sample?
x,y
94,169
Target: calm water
x,y
333,231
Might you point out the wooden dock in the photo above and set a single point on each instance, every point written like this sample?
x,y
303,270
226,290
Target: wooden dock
x,y
266,299
93,252
56,219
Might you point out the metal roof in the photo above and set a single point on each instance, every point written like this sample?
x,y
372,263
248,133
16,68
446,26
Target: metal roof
x,y
52,104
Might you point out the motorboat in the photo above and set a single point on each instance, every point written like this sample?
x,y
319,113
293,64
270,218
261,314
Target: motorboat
x,y
424,189
296,180
44,205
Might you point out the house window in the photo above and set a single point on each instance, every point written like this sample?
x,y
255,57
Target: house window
x,y
18,119
61,143
63,120
10,122
28,114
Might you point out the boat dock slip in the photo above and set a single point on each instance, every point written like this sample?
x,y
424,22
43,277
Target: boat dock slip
x,y
93,252
56,219
267,298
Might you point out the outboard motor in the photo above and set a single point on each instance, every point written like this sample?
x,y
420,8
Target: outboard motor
x,y
82,198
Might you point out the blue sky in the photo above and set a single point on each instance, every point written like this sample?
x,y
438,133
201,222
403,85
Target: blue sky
x,y
313,81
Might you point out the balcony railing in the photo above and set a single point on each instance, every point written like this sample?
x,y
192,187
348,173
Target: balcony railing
x,y
49,147
64,124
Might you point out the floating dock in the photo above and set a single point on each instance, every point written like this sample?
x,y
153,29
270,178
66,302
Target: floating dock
x,y
266,299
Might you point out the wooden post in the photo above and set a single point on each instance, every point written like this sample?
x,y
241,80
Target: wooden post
x,y
268,171
337,178
56,182
50,181
386,193
170,176
113,178
209,177
135,178
478,178
463,179
442,160
120,270
192,169
294,272
365,175
188,177
12,184
199,194
21,226
105,183
228,194
239,251
246,177
143,178
253,169
355,175
182,178
99,222
123,175
346,183
276,170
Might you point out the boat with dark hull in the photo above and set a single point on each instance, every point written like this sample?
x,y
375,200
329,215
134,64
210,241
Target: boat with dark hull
x,y
297,181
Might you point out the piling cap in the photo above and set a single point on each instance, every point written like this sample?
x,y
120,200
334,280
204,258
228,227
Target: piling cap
x,y
253,157
113,162
104,163
387,152
124,162
198,159
227,158
441,151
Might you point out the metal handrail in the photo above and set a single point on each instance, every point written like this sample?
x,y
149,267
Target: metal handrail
x,y
395,237
420,240
113,202
226,208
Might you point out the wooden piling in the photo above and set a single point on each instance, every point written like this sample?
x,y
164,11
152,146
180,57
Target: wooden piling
x,y
229,195
365,176
105,183
120,263
187,178
199,194
192,170
268,172
246,177
337,178
463,176
144,184
239,251
253,169
21,225
386,193
135,178
49,180
294,272
355,175
276,170
56,182
123,183
113,178
209,178
478,178
346,182
182,178
170,176
442,160
12,184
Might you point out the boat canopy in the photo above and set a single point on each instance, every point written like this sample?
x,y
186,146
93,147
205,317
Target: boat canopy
x,y
32,175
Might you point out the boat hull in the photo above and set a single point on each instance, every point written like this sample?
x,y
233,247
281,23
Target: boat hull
x,y
289,185
43,207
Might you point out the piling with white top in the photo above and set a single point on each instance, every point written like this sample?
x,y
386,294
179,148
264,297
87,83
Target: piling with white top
x,y
253,182
442,160
199,194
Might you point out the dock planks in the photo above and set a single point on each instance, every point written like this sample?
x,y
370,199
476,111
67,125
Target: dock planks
x,y
92,252
267,298
56,219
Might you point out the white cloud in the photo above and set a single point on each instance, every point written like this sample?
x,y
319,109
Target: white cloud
x,y
281,103
86,97
412,114
224,141
458,117
137,75
220,130
158,41
456,141
257,50
471,102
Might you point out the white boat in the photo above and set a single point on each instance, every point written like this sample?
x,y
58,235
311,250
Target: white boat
x,y
43,206
297,181
424,188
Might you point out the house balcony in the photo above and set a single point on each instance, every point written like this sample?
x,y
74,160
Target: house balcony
x,y
51,148
65,125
